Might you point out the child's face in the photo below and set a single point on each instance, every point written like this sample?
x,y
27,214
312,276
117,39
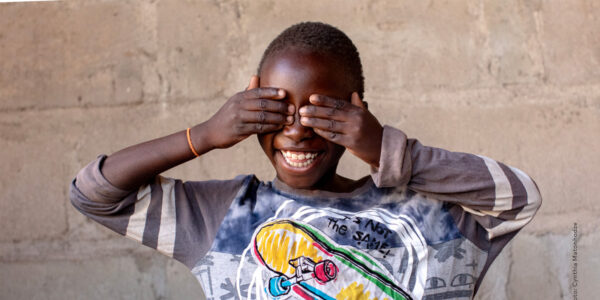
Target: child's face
x,y
302,74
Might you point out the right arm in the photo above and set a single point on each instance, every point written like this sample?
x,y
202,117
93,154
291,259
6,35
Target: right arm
x,y
255,110
131,167
125,193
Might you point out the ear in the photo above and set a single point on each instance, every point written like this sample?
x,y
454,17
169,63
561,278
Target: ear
x,y
355,100
254,82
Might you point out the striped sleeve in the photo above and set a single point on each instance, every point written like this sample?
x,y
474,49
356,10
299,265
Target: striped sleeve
x,y
490,199
179,219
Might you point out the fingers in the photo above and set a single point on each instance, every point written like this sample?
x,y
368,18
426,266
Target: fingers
x,y
267,93
254,83
313,111
329,129
265,118
252,128
336,137
327,116
355,100
331,108
334,119
256,110
325,124
268,105
253,90
322,100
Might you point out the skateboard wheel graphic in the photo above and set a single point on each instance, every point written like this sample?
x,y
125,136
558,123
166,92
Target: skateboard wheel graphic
x,y
325,271
276,286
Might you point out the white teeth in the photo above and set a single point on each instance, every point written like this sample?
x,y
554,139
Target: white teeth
x,y
307,157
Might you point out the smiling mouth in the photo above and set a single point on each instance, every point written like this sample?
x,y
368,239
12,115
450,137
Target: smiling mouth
x,y
299,159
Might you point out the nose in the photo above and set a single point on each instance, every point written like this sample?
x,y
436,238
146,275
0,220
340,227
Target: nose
x,y
296,131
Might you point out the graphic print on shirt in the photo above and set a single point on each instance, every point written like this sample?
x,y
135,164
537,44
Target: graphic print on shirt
x,y
293,259
306,263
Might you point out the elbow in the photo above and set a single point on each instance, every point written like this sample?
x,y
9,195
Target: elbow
x,y
94,205
76,197
534,202
91,185
535,199
521,214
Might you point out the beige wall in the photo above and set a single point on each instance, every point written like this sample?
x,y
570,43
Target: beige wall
x,y
518,81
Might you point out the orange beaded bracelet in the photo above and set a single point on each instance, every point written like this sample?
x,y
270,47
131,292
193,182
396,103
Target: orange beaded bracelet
x,y
190,143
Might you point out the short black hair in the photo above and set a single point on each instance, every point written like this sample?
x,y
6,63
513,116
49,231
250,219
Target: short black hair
x,y
323,39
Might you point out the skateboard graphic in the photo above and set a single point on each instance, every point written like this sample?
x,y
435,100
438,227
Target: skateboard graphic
x,y
301,262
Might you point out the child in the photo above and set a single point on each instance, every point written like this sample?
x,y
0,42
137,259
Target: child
x,y
426,224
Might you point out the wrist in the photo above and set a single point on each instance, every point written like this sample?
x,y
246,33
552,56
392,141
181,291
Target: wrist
x,y
375,159
200,138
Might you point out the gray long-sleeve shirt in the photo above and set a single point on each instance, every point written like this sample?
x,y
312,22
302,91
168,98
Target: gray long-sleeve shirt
x,y
426,225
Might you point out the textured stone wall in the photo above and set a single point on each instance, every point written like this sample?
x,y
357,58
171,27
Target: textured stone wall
x,y
518,81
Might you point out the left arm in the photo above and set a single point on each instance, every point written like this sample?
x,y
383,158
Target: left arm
x,y
490,201
500,198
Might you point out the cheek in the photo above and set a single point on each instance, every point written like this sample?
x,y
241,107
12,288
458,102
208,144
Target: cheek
x,y
266,143
335,148
335,153
338,151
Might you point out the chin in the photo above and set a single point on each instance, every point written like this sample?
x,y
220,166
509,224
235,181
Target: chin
x,y
306,164
299,175
298,183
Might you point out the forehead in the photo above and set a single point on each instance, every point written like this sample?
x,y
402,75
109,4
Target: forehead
x,y
300,72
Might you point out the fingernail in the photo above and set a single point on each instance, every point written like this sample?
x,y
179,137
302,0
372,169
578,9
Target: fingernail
x,y
303,119
302,110
281,93
290,119
313,98
291,108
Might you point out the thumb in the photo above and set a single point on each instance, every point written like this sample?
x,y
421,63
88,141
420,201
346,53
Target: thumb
x,y
253,83
355,100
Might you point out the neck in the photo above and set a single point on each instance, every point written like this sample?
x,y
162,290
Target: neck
x,y
333,187
333,182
